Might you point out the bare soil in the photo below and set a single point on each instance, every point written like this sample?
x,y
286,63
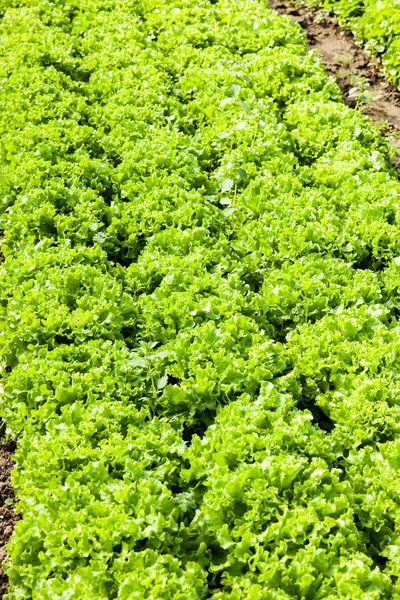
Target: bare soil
x,y
347,61
8,516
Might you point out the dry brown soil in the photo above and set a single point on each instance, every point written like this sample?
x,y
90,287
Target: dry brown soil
x,y
8,516
344,59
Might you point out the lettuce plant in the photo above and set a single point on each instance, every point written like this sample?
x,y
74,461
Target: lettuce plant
x,y
199,301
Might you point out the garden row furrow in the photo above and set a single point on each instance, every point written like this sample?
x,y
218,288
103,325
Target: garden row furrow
x,y
375,23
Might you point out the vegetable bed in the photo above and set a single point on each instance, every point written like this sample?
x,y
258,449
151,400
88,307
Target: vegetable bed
x,y
200,296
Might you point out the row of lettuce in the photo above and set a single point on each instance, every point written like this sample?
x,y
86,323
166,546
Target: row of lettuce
x,y
375,23
200,347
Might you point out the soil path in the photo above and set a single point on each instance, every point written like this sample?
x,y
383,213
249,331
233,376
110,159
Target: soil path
x,y
344,59
8,517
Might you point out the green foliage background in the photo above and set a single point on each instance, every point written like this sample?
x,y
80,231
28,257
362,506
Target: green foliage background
x,y
200,346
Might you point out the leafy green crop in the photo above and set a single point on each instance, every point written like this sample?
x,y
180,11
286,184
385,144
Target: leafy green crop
x,y
200,347
376,23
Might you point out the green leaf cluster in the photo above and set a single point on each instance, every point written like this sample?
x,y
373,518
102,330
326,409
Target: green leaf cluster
x,y
199,298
